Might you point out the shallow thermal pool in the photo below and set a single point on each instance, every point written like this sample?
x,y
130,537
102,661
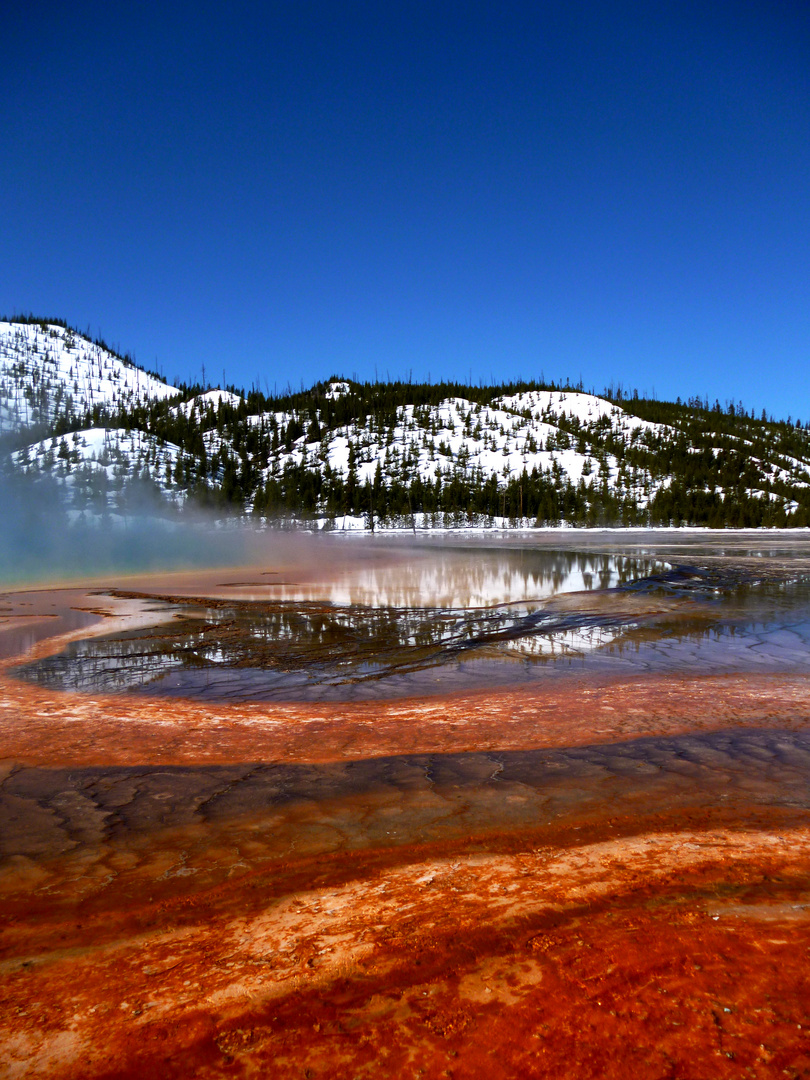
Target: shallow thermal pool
x,y
439,619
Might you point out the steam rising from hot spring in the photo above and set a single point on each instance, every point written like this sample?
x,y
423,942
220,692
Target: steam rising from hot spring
x,y
43,539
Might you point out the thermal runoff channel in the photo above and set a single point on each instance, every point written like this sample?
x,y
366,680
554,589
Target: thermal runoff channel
x,y
514,806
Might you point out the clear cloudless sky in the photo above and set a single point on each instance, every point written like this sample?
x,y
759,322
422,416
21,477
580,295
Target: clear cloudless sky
x,y
281,191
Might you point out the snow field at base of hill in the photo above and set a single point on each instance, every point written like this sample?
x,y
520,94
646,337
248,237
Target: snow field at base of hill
x,y
437,524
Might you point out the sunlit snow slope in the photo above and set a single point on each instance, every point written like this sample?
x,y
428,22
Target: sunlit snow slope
x,y
351,455
47,371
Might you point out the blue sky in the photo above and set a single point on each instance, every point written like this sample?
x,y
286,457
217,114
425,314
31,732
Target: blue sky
x,y
281,191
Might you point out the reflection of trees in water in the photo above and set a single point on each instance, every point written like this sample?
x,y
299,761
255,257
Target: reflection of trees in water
x,y
330,643
478,577
319,643
117,667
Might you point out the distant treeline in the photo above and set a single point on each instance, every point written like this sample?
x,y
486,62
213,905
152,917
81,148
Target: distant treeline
x,y
705,464
713,461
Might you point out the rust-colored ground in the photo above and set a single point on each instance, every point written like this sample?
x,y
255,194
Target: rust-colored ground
x,y
580,880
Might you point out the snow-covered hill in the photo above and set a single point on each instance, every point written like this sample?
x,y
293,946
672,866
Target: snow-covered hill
x,y
387,454
47,371
458,438
211,399
104,469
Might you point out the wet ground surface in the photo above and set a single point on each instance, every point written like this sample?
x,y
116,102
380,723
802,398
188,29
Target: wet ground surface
x,y
342,806
716,616
599,873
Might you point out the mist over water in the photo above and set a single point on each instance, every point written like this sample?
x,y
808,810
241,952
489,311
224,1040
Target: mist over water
x,y
350,616
44,539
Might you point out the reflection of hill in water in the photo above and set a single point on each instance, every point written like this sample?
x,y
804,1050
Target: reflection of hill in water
x,y
472,578
683,618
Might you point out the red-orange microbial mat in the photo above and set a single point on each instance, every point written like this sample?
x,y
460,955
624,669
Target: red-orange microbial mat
x,y
593,878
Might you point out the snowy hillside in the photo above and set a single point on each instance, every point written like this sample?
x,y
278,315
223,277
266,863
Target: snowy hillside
x,y
460,439
48,371
200,404
103,469
344,454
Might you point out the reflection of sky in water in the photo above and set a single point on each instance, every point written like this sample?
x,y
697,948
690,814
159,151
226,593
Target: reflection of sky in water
x,y
769,638
563,643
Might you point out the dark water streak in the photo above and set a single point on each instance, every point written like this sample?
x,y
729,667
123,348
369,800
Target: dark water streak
x,y
402,799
